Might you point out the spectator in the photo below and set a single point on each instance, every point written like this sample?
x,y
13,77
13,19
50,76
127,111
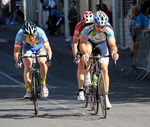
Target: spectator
x,y
142,22
61,19
46,7
98,7
44,4
18,16
54,18
73,17
5,10
131,22
2,19
52,4
144,5
107,12
147,30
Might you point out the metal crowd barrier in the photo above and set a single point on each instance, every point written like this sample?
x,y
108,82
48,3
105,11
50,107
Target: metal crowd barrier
x,y
143,58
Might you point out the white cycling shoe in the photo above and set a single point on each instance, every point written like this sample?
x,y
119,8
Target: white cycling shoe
x,y
87,80
80,96
108,105
44,91
27,95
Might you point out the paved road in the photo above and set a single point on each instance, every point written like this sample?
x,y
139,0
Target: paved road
x,y
130,98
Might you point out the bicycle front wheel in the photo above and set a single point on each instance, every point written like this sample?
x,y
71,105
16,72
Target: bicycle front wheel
x,y
86,100
101,89
35,93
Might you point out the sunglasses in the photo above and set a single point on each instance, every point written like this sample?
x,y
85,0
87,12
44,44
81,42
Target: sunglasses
x,y
30,35
101,27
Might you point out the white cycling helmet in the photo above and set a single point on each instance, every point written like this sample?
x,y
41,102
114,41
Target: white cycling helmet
x,y
88,16
100,18
29,28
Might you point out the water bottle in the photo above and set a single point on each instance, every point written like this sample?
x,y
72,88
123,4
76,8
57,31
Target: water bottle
x,y
95,79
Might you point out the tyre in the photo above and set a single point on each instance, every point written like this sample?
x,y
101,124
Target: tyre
x,y
91,102
86,100
101,89
35,93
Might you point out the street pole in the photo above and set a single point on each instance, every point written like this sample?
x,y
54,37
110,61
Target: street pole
x,y
66,6
122,25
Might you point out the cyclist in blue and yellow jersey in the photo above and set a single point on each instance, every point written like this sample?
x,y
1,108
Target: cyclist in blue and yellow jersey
x,y
87,19
93,38
32,38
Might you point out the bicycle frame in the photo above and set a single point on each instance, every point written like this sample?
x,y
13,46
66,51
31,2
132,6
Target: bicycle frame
x,y
98,92
35,83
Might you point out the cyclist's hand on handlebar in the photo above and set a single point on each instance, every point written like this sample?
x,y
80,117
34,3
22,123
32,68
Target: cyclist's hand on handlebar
x,y
115,56
18,65
76,60
48,63
85,58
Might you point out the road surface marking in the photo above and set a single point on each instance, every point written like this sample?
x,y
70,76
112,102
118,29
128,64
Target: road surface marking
x,y
3,40
52,101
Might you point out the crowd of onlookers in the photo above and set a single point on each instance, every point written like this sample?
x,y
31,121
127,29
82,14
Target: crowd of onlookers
x,y
139,22
138,17
55,16
6,17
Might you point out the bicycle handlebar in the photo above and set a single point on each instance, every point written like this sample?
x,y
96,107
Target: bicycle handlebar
x,y
114,61
31,56
99,57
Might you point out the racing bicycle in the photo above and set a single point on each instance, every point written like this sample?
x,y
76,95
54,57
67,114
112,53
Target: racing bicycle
x,y
35,82
96,92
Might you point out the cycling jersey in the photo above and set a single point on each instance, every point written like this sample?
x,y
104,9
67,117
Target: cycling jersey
x,y
95,37
27,47
40,38
98,40
78,29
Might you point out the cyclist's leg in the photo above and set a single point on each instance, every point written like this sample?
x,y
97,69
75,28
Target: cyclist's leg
x,y
102,49
27,65
41,60
87,78
43,70
80,75
89,51
80,71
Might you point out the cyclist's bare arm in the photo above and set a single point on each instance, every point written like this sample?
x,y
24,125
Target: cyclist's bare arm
x,y
113,47
49,50
74,47
83,41
16,56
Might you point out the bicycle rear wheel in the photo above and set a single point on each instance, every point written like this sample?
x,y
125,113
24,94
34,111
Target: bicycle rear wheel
x,y
35,93
86,100
102,93
95,103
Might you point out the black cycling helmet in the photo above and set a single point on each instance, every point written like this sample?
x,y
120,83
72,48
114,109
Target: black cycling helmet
x,y
29,28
